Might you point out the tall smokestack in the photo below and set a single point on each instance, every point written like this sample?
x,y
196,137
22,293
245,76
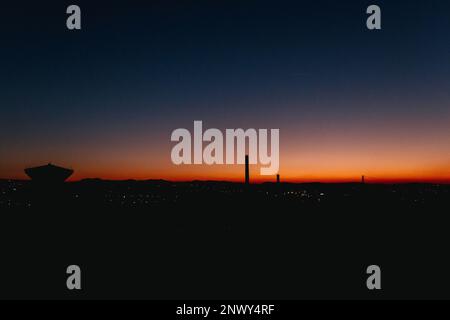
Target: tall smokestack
x,y
278,178
247,171
363,179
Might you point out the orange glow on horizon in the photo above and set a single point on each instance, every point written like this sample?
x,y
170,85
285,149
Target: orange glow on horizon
x,y
416,152
325,168
255,178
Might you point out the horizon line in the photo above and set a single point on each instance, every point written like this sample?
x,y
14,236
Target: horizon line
x,y
258,182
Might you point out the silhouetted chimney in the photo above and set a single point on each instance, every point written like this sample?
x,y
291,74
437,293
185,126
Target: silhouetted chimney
x,y
247,171
278,178
363,179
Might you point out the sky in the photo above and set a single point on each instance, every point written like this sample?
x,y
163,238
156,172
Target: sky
x,y
104,100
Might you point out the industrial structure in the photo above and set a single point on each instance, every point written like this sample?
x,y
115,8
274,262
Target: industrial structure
x,y
49,174
247,171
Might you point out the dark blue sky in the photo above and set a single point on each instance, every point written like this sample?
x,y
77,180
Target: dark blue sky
x,y
139,69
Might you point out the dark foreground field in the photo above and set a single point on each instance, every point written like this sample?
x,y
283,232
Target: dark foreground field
x,y
218,240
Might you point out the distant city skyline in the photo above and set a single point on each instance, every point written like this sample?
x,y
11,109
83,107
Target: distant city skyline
x,y
348,101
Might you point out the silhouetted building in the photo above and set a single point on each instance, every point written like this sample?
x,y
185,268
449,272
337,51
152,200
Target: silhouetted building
x,y
49,174
278,178
363,179
247,171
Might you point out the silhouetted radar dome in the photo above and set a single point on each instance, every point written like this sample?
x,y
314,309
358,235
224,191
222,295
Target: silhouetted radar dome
x,y
49,173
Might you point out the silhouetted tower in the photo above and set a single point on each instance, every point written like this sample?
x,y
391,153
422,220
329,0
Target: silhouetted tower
x,y
278,178
363,179
247,171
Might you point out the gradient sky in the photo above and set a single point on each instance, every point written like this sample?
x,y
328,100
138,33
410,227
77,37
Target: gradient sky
x,y
348,101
